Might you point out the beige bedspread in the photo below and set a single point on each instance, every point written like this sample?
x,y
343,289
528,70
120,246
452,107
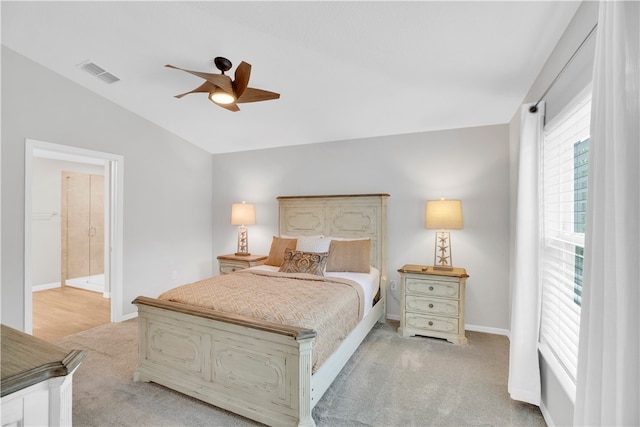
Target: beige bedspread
x,y
332,307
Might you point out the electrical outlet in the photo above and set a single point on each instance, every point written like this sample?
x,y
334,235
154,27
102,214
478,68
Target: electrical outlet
x,y
174,274
394,285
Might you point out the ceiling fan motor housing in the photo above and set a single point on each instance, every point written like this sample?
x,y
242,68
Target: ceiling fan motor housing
x,y
222,64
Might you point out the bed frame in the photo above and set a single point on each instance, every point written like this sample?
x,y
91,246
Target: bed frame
x,y
253,368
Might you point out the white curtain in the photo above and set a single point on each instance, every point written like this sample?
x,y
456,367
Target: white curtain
x,y
608,383
524,372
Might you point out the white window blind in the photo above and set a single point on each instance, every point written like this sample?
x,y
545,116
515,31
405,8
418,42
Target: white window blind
x,y
563,181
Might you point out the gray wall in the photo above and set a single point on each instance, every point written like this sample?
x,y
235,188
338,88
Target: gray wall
x,y
555,402
167,182
470,164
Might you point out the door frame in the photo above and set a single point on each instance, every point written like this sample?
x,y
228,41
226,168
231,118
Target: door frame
x,y
114,180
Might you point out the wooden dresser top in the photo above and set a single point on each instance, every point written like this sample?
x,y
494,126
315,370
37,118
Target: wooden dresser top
x,y
27,360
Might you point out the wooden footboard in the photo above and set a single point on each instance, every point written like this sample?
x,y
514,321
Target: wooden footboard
x,y
258,370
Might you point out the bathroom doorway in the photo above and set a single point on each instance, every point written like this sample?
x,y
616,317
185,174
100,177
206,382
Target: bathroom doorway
x,y
54,275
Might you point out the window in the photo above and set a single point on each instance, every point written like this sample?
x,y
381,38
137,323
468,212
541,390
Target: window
x,y
563,174
580,167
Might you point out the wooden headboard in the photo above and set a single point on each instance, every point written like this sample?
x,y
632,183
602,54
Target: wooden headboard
x,y
349,216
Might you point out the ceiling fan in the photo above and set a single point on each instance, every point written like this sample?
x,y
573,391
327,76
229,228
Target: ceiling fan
x,y
227,93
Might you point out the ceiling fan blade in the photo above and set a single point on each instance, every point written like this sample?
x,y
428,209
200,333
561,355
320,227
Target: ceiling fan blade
x,y
220,80
256,95
243,72
231,107
204,87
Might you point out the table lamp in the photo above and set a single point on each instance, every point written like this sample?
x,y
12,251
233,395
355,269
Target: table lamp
x,y
243,214
443,214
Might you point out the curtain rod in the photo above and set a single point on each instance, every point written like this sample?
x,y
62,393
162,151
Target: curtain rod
x,y
534,108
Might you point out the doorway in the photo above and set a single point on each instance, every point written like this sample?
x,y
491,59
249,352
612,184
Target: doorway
x,y
110,166
68,261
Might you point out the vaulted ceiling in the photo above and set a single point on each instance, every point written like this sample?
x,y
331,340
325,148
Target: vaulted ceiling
x,y
344,70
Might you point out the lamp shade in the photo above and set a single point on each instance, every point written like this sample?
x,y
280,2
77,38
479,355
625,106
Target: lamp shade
x,y
243,214
443,214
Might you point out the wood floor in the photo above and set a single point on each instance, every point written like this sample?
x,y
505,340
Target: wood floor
x,y
65,311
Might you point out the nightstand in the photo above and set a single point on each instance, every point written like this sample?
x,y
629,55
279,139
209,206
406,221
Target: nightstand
x,y
432,302
230,263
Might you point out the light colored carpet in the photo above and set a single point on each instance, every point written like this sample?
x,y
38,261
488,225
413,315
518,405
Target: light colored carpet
x,y
389,381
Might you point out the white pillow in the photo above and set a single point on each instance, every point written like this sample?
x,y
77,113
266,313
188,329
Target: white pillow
x,y
347,239
313,244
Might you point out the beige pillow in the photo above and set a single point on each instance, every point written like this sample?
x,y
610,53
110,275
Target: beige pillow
x,y
304,262
276,253
349,255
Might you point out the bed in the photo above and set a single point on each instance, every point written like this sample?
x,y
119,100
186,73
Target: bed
x,y
264,369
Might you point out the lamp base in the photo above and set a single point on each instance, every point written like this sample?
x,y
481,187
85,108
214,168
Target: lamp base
x,y
442,255
243,241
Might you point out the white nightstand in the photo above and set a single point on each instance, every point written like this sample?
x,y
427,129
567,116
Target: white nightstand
x,y
432,303
230,263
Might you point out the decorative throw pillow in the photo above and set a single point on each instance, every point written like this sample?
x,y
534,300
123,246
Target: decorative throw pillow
x,y
349,255
313,244
304,262
276,253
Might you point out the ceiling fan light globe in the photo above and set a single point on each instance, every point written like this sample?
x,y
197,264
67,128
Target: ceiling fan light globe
x,y
220,97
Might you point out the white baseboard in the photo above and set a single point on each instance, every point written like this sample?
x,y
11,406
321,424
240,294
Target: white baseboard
x,y
475,328
488,330
129,316
546,415
46,286
84,283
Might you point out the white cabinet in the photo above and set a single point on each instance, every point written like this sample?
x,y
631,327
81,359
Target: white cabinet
x,y
37,380
432,303
230,263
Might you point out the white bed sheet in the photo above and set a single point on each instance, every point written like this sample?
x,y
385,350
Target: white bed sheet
x,y
370,282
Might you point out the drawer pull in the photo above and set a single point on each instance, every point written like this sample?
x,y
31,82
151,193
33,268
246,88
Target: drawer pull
x,y
430,323
430,288
430,305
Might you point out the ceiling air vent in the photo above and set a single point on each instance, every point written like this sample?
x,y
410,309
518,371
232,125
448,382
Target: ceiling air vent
x,y
99,72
